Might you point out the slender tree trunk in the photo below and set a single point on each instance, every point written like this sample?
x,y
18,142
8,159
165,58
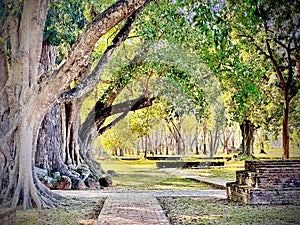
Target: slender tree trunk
x,y
205,130
285,128
197,137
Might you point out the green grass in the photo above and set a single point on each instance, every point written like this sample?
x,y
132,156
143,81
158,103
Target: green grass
x,y
222,173
185,210
143,175
277,153
77,209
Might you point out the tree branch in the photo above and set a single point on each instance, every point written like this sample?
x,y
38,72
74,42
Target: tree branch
x,y
252,41
77,60
125,108
87,83
278,71
131,105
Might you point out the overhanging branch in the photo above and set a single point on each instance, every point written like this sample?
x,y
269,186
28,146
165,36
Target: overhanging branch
x,y
76,62
89,82
125,108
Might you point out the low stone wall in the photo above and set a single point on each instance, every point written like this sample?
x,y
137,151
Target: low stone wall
x,y
182,164
267,182
7,216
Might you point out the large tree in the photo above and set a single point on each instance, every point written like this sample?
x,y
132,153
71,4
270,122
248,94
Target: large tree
x,y
26,96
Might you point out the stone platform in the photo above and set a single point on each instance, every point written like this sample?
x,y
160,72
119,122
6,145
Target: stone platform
x,y
267,182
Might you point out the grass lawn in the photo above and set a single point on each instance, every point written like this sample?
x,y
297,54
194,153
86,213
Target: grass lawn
x,y
143,175
74,211
185,210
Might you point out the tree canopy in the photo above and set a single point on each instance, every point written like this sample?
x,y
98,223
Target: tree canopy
x,y
83,66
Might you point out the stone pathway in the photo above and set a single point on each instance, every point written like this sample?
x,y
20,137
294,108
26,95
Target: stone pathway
x,y
132,208
140,207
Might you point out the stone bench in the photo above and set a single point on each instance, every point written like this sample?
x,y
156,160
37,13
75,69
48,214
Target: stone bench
x,y
267,182
7,216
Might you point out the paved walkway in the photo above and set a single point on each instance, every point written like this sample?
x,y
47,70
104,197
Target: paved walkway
x,y
134,207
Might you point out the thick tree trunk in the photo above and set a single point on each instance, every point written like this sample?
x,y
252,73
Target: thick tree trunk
x,y
247,128
27,101
49,153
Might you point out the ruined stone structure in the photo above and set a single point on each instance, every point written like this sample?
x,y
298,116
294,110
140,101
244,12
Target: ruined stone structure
x,y
267,182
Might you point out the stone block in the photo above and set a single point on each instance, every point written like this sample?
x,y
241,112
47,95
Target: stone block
x,y
267,182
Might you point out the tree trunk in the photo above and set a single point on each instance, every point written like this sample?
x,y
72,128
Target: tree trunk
x,y
227,135
213,143
197,137
285,128
247,128
205,129
26,101
49,144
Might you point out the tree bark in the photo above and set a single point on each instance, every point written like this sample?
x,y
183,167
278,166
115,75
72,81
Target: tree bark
x,y
285,127
197,137
27,99
205,130
247,128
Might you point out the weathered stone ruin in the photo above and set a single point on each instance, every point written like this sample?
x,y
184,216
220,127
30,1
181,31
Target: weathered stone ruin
x,y
267,182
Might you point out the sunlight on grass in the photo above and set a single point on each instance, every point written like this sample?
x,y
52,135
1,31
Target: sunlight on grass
x,y
143,175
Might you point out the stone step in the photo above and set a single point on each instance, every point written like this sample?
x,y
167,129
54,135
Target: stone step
x,y
266,196
268,180
254,165
238,193
273,196
244,177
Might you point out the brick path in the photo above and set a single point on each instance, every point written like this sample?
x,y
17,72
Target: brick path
x,y
123,207
132,208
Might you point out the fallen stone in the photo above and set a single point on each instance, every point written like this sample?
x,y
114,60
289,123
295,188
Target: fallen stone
x,y
40,172
64,183
105,180
48,181
56,175
112,173
84,171
78,184
91,183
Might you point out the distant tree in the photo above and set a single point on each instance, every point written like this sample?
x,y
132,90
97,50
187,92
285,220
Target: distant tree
x,y
273,28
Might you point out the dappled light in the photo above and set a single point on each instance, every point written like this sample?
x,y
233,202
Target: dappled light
x,y
149,107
